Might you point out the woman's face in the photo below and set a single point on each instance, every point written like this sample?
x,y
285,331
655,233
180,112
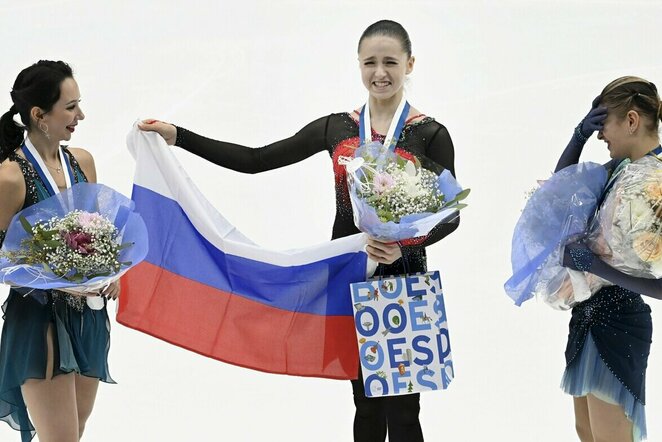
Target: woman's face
x,y
616,133
65,114
384,65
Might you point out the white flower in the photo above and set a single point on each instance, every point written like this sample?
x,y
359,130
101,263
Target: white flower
x,y
382,182
410,168
637,215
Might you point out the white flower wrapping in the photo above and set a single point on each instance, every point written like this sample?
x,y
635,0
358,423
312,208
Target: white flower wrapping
x,y
80,241
627,231
395,198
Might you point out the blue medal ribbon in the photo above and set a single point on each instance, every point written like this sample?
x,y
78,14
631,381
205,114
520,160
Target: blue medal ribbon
x,y
42,173
396,134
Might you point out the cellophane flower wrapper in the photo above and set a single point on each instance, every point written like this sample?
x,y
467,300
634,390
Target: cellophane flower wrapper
x,y
558,211
424,193
627,233
93,201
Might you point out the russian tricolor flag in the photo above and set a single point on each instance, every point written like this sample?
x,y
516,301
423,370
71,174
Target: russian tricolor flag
x,y
206,287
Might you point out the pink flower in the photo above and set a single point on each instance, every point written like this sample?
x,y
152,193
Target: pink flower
x,y
85,219
79,241
382,182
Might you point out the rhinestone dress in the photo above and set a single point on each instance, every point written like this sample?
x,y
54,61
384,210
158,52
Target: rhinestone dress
x,y
81,335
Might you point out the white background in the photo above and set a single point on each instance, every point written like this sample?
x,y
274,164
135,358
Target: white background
x,y
510,80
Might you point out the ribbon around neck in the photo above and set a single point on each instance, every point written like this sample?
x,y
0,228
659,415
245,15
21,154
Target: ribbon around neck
x,y
394,130
39,165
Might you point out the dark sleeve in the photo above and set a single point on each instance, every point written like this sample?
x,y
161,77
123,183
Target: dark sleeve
x,y
2,236
644,286
307,142
572,152
439,149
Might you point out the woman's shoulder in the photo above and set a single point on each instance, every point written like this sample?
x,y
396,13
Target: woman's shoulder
x,y
11,175
85,161
82,156
12,184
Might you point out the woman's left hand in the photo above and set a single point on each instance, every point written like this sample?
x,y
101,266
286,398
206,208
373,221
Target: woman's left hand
x,y
112,291
383,252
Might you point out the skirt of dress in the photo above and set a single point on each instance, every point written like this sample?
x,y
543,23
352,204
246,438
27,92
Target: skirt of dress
x,y
589,374
81,343
607,353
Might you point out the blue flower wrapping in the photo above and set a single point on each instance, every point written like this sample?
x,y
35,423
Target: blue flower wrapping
x,y
87,197
409,226
558,210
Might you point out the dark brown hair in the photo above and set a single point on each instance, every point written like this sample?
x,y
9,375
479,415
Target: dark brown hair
x,y
37,85
388,28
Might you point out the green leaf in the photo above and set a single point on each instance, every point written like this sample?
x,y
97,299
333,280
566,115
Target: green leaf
x,y
48,234
460,206
462,195
125,245
96,275
126,263
26,224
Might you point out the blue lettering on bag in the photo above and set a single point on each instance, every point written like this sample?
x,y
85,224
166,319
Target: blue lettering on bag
x,y
398,385
442,338
411,291
421,377
378,353
370,379
420,348
440,309
445,377
390,288
389,322
415,316
367,326
359,287
394,352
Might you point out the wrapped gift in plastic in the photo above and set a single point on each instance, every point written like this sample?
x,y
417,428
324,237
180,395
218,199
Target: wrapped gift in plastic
x,y
396,195
627,232
79,240
558,212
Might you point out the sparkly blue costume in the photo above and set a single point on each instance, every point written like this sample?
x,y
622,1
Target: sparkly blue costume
x,y
81,335
610,333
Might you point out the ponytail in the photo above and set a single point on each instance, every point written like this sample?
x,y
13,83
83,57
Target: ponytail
x,y
11,133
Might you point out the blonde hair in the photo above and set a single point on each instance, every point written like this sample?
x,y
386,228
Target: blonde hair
x,y
633,93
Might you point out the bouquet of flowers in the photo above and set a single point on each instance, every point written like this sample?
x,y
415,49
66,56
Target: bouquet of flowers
x,y
79,240
394,196
627,233
558,211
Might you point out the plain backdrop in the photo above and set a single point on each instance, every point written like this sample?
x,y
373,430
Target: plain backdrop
x,y
509,79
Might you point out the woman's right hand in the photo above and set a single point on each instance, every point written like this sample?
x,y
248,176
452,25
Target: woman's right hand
x,y
594,120
166,130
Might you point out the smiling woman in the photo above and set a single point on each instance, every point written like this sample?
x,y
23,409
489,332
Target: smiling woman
x,y
54,347
385,60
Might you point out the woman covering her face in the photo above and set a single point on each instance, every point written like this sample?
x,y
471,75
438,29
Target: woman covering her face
x,y
610,333
385,60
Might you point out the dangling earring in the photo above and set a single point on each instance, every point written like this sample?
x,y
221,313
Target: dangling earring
x,y
44,128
